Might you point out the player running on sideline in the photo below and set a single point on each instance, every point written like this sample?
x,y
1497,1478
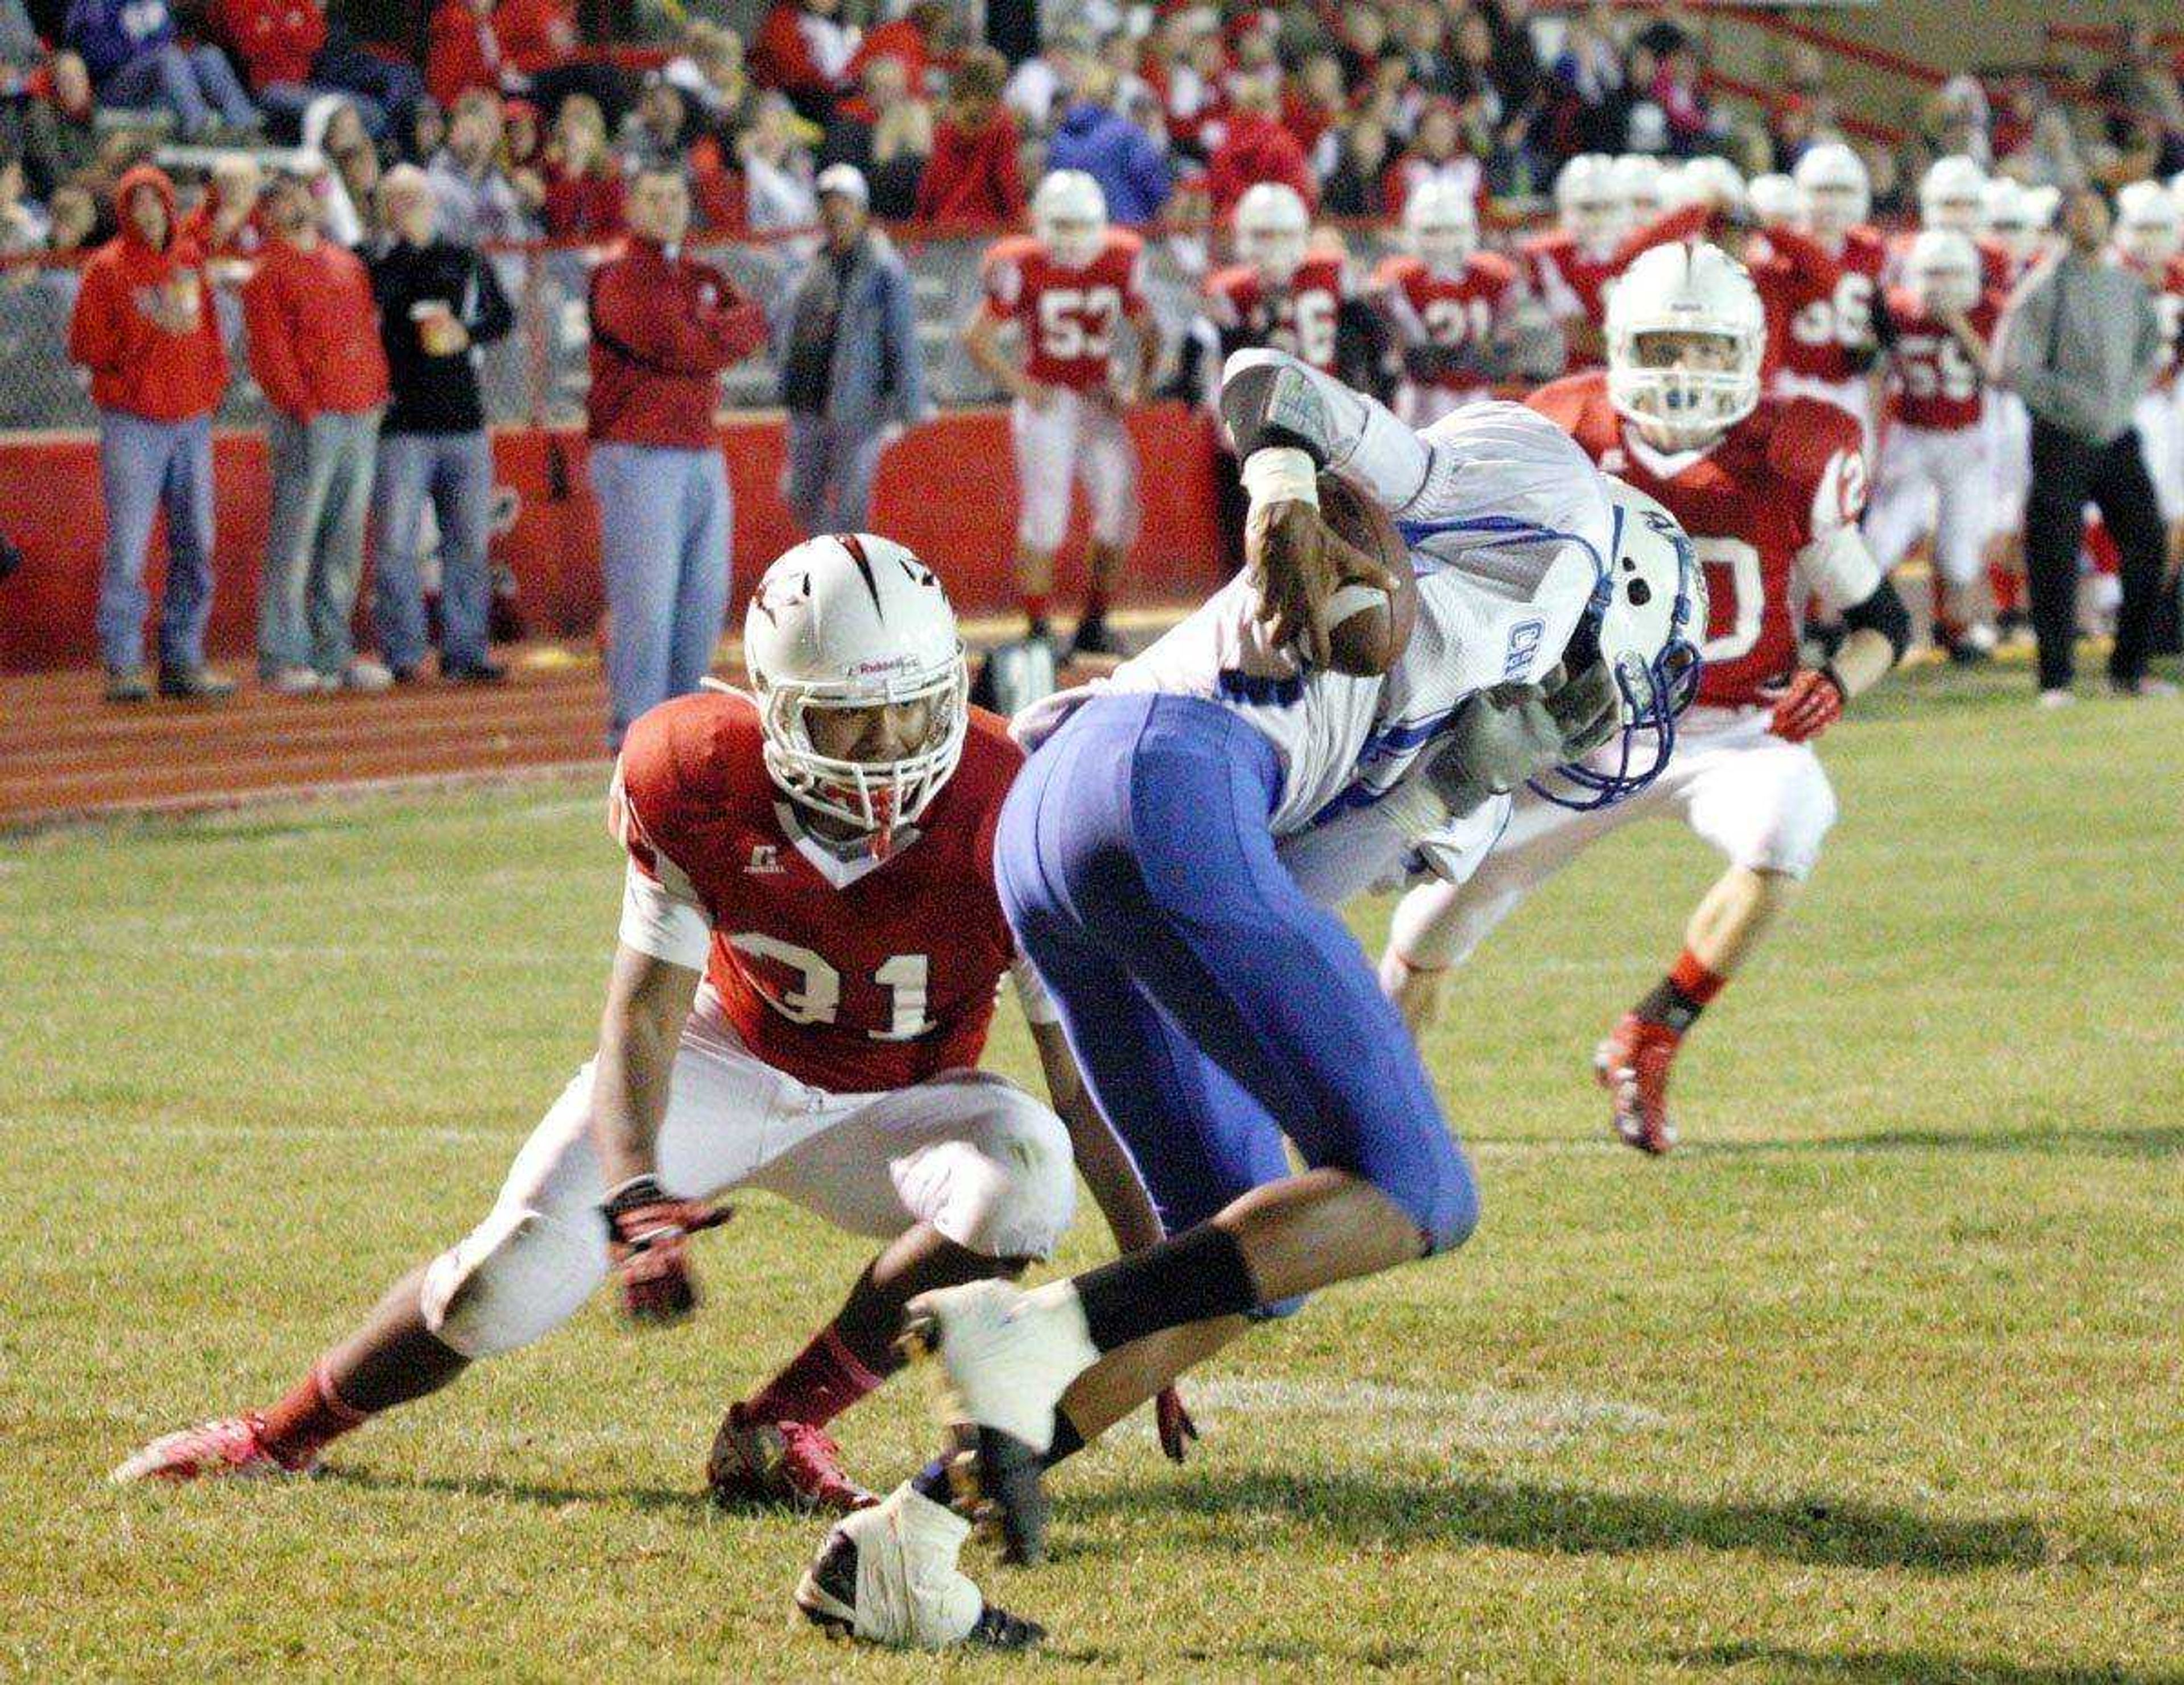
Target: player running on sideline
x,y
1215,1009
811,944
1769,489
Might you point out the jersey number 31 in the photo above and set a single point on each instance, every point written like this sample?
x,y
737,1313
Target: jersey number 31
x,y
815,997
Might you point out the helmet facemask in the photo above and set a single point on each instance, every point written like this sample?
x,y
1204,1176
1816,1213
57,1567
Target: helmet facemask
x,y
874,797
1651,696
1689,394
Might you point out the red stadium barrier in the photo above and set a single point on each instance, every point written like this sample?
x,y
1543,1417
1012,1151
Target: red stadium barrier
x,y
946,490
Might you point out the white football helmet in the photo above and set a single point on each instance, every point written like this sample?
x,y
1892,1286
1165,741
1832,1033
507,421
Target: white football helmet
x,y
2006,217
1443,224
1646,622
1838,192
1069,215
1274,230
1777,201
1712,180
851,620
2147,229
1638,185
1588,201
1685,289
1942,271
1949,193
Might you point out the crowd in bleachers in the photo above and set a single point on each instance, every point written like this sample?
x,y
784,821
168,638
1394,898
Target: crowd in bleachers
x,y
1166,106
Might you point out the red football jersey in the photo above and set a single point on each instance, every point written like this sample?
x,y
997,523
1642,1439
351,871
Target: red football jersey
x,y
2168,306
1298,319
1447,310
1068,316
1998,270
1934,382
1827,332
1790,472
856,977
1571,280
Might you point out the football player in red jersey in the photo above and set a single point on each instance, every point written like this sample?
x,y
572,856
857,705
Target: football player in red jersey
x,y
1069,287
2148,238
1832,349
1769,489
1933,456
2014,221
1452,306
1282,293
1797,278
1566,268
809,948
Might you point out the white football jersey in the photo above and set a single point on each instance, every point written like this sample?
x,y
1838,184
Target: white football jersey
x,y
1508,527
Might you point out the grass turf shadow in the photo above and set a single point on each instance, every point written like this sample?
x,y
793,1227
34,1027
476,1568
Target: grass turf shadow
x,y
1906,1667
1373,1512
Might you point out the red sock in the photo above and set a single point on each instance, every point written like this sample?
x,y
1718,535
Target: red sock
x,y
820,1382
1690,975
2008,588
1095,603
312,1415
1034,606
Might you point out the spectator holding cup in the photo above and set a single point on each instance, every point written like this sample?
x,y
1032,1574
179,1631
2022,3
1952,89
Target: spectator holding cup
x,y
437,300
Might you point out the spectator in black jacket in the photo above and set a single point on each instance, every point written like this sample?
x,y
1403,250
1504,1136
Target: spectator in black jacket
x,y
438,302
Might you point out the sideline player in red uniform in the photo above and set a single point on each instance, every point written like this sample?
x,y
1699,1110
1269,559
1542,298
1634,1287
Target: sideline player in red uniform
x,y
1769,489
1933,473
1069,285
1283,293
1452,306
1832,351
811,945
1568,268
1794,275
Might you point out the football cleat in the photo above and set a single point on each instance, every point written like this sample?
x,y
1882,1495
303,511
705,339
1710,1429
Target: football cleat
x,y
1633,1065
887,1575
1003,1358
232,1447
788,1463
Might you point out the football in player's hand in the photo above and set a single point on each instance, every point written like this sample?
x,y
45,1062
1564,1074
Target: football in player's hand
x,y
1367,627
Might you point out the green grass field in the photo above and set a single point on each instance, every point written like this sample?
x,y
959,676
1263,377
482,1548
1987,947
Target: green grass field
x,y
1878,1379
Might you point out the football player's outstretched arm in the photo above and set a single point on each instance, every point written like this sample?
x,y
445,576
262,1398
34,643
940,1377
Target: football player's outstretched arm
x,y
981,340
648,1002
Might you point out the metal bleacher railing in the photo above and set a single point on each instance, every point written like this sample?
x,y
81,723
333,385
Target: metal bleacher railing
x,y
539,374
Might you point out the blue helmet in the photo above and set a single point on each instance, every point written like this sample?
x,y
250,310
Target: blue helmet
x,y
1645,622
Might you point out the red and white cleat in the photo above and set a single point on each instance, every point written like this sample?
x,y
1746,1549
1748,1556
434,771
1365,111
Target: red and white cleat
x,y
781,1462
232,1447
1633,1065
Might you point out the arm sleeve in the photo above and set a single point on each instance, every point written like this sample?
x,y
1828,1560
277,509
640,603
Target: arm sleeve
x,y
912,403
1840,569
93,339
1356,436
272,360
653,331
490,318
2152,354
663,918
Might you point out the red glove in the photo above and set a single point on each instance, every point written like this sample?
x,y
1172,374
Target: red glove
x,y
1807,705
1176,1430
647,1232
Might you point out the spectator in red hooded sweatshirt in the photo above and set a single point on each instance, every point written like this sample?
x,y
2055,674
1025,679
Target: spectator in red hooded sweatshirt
x,y
973,175
915,33
1256,148
144,329
315,347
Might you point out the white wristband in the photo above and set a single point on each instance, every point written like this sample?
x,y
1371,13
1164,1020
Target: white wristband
x,y
1281,474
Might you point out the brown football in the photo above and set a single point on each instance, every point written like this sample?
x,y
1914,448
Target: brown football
x,y
1366,629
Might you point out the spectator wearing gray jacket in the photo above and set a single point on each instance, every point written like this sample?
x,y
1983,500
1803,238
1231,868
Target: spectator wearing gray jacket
x,y
852,377
2081,341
